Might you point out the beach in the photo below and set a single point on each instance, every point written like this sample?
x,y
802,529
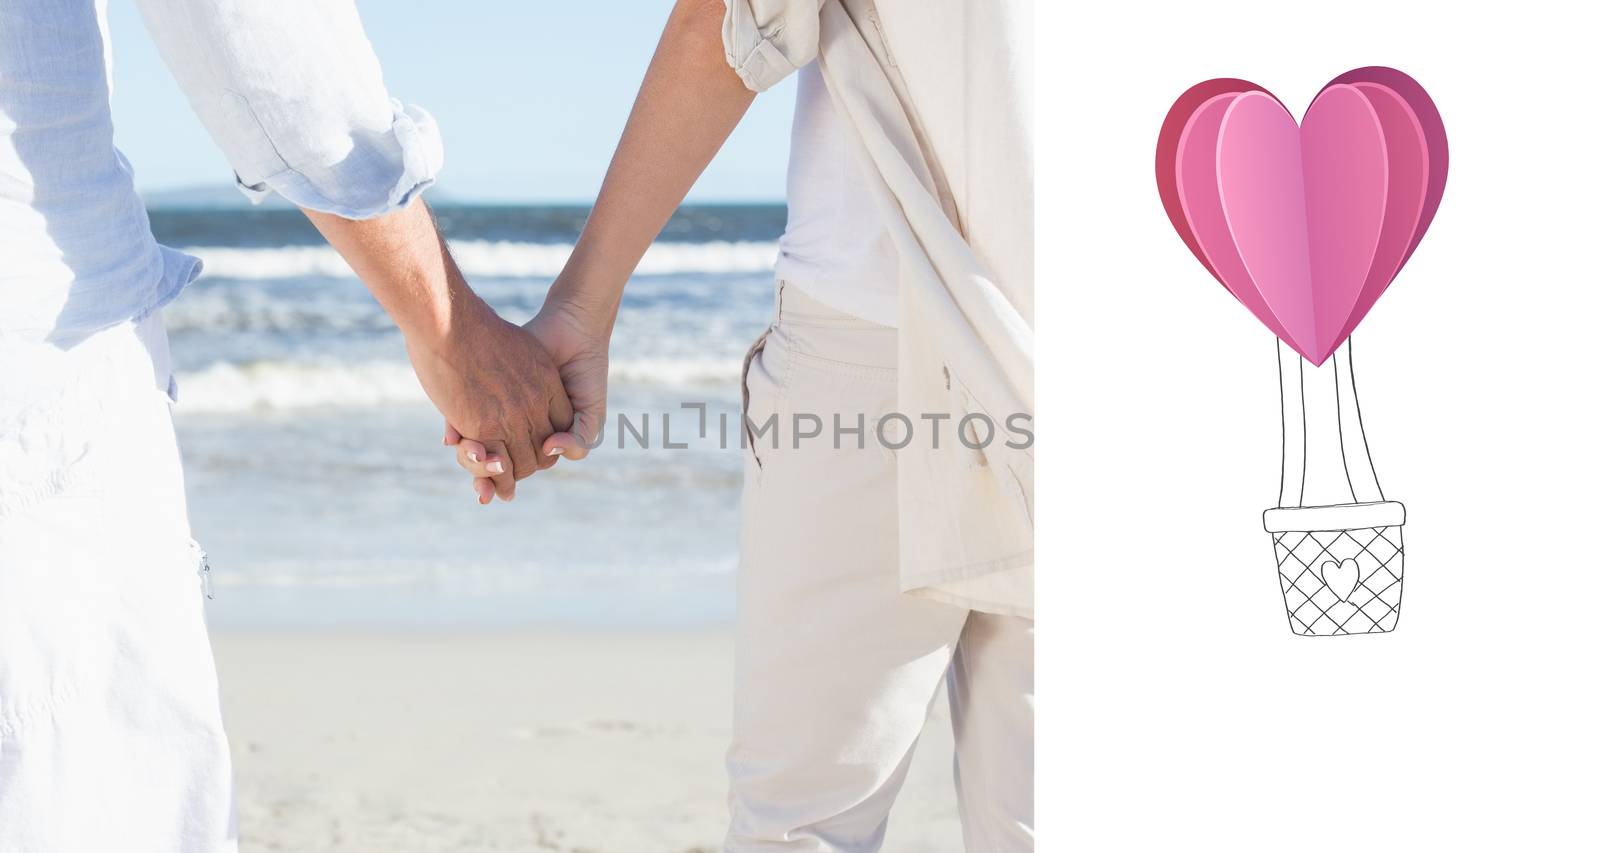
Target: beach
x,y
404,670
466,739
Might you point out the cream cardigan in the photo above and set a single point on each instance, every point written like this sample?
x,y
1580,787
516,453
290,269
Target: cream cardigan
x,y
938,94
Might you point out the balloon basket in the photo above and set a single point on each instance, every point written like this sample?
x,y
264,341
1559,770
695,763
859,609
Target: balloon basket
x,y
1341,568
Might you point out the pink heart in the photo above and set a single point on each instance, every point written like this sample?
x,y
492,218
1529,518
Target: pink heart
x,y
1422,107
1202,205
1306,225
1167,150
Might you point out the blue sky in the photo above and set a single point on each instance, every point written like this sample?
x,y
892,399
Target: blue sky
x,y
530,97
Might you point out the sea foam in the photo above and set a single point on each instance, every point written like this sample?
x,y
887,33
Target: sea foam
x,y
226,387
487,258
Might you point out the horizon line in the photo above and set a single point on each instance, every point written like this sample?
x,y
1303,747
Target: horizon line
x,y
224,197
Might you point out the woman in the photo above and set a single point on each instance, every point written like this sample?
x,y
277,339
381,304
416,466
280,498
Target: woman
x,y
874,567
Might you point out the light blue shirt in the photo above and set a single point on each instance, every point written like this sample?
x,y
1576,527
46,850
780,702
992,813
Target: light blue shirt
x,y
289,89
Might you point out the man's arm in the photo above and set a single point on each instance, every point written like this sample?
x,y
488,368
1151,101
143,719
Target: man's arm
x,y
293,95
489,378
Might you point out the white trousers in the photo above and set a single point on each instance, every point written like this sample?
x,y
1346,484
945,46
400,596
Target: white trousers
x,y
836,669
110,728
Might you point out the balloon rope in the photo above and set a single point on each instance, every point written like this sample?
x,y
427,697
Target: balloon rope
x,y
1363,478
1326,460
1292,480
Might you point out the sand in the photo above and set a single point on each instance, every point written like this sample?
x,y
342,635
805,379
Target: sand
x,y
596,740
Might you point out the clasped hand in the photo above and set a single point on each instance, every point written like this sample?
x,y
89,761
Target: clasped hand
x,y
517,399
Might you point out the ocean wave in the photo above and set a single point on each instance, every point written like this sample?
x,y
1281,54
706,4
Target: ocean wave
x,y
486,258
276,385
229,387
477,576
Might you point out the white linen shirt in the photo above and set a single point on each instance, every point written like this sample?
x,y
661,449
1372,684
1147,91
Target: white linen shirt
x,y
834,246
289,90
939,101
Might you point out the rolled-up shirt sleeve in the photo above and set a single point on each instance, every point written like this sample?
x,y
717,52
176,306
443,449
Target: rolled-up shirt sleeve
x,y
767,40
292,93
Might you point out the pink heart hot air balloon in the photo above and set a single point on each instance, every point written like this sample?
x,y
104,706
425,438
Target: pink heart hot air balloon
x,y
1305,224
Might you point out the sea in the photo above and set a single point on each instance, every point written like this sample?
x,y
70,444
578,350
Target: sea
x,y
316,476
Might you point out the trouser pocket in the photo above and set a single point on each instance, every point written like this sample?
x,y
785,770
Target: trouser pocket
x,y
750,429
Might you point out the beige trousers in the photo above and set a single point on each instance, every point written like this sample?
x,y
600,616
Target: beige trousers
x,y
836,669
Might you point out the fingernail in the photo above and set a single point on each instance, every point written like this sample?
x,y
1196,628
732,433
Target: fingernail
x,y
557,451
496,467
472,456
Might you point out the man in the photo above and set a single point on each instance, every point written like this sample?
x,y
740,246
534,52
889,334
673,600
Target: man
x,y
110,733
870,571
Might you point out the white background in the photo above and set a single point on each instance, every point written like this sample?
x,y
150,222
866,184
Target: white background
x,y
1177,712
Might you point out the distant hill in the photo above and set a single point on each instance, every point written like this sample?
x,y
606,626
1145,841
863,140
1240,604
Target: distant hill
x,y
228,197
216,197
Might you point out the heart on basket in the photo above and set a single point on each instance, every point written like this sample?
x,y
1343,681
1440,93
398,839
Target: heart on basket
x,y
1305,224
1341,577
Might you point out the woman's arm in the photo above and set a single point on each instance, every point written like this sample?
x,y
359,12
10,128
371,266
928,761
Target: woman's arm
x,y
688,104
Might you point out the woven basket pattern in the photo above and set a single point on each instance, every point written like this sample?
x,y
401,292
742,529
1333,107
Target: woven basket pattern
x,y
1365,565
